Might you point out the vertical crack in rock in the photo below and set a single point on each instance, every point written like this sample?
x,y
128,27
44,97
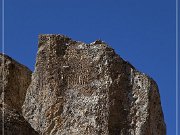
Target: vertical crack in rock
x,y
88,89
14,80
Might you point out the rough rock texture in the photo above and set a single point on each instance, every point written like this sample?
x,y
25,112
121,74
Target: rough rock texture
x,y
87,89
14,80
14,123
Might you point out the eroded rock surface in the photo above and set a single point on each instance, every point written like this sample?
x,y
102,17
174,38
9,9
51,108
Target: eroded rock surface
x,y
87,89
14,123
14,81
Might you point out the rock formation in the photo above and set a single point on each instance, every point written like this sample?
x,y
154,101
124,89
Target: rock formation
x,y
14,123
87,89
14,81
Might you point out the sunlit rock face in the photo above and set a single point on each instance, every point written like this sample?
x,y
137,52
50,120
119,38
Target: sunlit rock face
x,y
87,89
14,81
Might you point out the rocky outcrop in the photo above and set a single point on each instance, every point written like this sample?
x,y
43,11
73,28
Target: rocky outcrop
x,y
14,81
15,78
87,89
14,123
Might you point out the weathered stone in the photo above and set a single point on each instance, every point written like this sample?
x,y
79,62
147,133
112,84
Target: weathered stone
x,y
14,80
87,89
14,123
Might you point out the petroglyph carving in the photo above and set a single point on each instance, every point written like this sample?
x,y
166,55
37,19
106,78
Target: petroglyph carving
x,y
101,93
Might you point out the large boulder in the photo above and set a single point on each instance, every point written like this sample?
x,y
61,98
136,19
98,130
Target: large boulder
x,y
87,89
14,81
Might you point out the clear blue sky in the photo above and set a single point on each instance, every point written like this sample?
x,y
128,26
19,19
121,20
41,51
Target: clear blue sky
x,y
142,32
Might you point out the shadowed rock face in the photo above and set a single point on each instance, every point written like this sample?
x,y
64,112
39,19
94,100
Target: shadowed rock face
x,y
87,89
14,80
14,123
